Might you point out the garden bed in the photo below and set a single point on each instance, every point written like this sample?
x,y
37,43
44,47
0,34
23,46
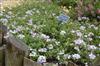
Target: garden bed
x,y
55,33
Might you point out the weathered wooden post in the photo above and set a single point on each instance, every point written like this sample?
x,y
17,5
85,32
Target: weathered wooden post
x,y
15,51
3,30
29,62
12,50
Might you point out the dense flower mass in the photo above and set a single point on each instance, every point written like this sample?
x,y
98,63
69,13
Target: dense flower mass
x,y
53,34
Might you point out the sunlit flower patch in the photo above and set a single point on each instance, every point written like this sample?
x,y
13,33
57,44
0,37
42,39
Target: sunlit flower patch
x,y
53,34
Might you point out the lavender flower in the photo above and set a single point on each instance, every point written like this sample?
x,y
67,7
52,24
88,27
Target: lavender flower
x,y
92,56
63,18
76,56
92,47
41,59
42,50
78,41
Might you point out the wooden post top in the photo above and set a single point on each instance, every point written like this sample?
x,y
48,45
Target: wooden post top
x,y
12,40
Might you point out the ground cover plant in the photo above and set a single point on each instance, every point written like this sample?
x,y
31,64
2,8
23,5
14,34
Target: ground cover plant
x,y
52,34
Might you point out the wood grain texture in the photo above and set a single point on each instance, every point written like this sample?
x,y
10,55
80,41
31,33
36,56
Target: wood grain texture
x,y
13,56
2,56
28,62
50,64
11,40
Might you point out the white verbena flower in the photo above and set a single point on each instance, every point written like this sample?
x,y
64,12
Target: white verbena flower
x,y
92,56
92,47
82,28
77,48
99,45
10,13
30,22
90,34
13,31
44,36
42,50
33,33
76,56
41,59
19,28
90,39
67,56
78,41
61,52
4,21
72,31
21,36
62,32
33,53
50,46
85,36
29,12
78,33
7,16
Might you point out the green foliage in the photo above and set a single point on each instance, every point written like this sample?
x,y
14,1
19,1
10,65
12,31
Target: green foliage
x,y
36,24
66,2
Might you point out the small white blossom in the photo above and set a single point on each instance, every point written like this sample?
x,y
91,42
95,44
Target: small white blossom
x,y
76,56
21,36
1,13
4,20
85,18
13,31
10,13
67,56
33,53
82,28
77,48
79,18
90,39
42,50
48,40
50,46
33,33
19,28
92,56
43,36
99,45
85,36
7,16
37,11
79,34
90,34
86,64
61,52
30,22
62,32
29,12
41,59
92,47
79,41
96,28
72,31
57,42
